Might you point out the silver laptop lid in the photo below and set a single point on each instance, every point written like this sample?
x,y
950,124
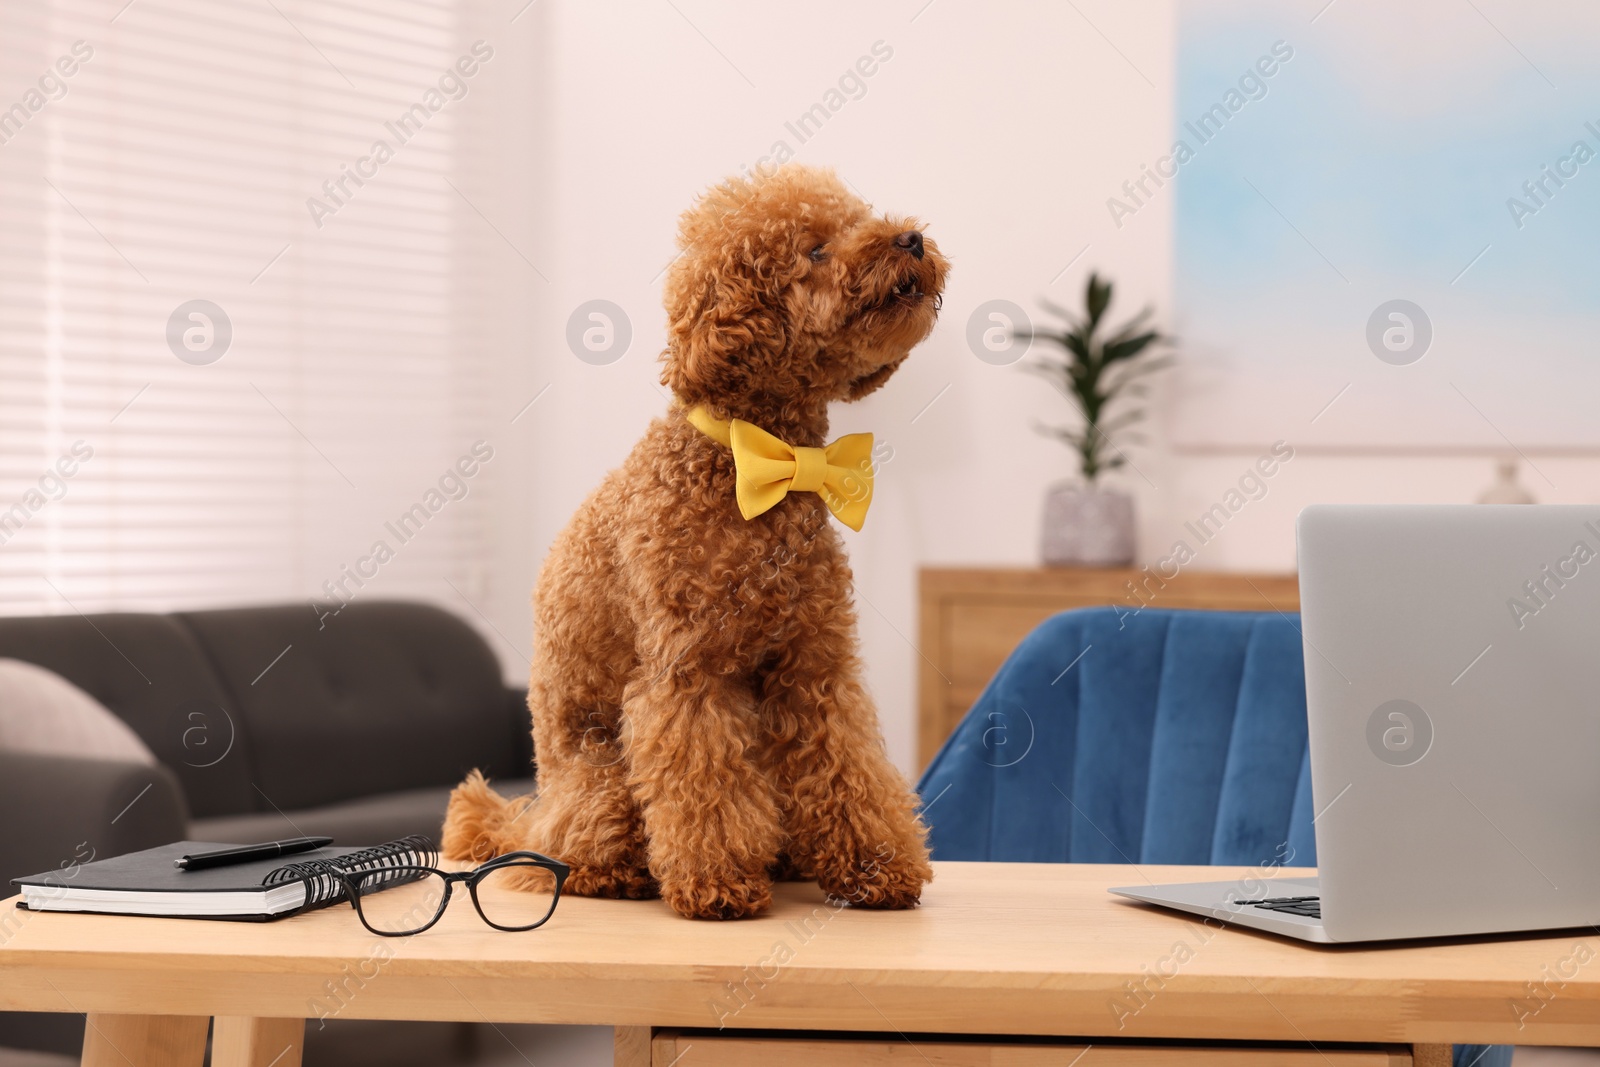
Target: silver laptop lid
x,y
1453,691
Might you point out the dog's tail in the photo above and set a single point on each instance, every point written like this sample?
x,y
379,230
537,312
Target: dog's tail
x,y
481,823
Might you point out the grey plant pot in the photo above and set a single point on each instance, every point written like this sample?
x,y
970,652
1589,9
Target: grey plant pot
x,y
1087,526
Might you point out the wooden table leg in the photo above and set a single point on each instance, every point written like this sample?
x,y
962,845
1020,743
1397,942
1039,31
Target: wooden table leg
x,y
144,1040
242,1041
631,1047
1431,1055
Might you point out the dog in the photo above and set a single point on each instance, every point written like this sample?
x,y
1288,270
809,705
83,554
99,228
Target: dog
x,y
699,719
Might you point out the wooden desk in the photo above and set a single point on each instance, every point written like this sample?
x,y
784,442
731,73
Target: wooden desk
x,y
1021,949
972,617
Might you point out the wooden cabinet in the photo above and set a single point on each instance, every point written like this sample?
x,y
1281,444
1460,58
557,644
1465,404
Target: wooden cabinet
x,y
971,619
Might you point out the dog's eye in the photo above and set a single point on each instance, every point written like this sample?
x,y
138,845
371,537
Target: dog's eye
x,y
818,254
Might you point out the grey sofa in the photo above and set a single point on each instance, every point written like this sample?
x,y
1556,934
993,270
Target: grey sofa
x,y
268,722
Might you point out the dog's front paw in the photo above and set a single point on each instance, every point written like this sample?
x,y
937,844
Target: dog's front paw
x,y
622,881
883,879
704,896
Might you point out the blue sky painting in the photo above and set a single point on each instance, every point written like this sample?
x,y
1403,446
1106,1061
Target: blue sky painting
x,y
1441,152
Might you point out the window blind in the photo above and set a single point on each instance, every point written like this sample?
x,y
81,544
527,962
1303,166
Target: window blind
x,y
231,327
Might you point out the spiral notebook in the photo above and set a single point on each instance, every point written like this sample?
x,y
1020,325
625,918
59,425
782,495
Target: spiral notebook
x,y
148,883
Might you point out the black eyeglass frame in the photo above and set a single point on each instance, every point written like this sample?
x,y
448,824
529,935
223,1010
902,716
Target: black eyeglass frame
x,y
472,879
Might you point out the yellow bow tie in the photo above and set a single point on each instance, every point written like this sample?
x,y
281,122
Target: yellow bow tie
x,y
767,468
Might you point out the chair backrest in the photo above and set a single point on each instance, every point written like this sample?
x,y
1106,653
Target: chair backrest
x,y
1117,737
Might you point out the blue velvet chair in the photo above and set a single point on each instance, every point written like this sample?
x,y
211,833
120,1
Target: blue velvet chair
x,y
1111,736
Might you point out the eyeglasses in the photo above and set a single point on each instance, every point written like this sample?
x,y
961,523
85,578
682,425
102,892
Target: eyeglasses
x,y
523,888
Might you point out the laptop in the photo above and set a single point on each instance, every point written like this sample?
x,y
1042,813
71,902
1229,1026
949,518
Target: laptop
x,y
1453,700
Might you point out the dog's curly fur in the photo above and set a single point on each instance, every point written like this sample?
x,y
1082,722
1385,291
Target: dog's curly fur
x,y
699,717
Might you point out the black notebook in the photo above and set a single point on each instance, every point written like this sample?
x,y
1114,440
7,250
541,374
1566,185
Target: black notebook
x,y
149,882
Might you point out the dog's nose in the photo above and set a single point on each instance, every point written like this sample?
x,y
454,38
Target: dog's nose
x,y
911,241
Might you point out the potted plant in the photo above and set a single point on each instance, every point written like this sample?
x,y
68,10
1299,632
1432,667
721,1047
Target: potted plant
x,y
1099,368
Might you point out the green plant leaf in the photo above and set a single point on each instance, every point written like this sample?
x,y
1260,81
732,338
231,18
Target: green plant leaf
x,y
1097,297
1097,374
1132,326
1125,418
1116,351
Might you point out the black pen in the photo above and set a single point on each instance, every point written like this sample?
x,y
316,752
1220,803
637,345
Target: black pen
x,y
224,857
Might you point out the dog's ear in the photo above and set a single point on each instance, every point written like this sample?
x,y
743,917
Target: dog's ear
x,y
727,325
724,332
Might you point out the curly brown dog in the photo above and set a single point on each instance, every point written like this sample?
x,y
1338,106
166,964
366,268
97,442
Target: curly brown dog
x,y
699,719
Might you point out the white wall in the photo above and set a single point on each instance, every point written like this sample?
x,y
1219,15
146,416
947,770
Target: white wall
x,y
1005,127
510,132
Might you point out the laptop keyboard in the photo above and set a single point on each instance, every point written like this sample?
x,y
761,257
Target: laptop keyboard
x,y
1309,907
